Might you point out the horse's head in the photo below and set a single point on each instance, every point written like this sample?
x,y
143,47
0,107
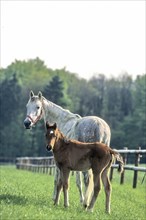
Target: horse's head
x,y
51,135
34,110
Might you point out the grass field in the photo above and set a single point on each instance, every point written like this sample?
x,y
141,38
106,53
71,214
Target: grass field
x,y
27,195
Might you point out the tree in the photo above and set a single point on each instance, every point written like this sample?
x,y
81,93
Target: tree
x,y
139,113
54,91
9,99
126,95
9,112
98,84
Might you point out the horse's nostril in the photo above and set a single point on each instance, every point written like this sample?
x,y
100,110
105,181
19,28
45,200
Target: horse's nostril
x,y
27,123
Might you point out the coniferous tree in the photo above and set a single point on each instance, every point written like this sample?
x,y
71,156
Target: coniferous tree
x,y
54,91
9,99
9,112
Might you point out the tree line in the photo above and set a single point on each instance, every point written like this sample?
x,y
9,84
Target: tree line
x,y
120,101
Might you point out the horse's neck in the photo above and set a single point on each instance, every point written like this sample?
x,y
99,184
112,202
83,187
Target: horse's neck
x,y
54,113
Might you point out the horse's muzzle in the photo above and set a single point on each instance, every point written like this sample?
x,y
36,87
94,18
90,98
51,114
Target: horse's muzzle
x,y
49,147
27,123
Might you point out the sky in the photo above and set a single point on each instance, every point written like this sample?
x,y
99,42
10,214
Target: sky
x,y
86,37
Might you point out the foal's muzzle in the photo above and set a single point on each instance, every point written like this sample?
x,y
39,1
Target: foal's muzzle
x,y
49,147
27,123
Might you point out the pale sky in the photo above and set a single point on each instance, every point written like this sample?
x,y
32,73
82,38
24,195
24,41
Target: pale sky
x,y
86,37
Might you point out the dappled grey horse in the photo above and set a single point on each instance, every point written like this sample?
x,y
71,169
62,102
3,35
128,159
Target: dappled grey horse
x,y
73,126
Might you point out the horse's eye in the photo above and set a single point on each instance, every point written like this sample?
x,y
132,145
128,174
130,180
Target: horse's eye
x,y
38,107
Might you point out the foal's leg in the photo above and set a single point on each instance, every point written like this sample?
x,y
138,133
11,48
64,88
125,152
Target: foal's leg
x,y
107,188
97,188
79,185
65,180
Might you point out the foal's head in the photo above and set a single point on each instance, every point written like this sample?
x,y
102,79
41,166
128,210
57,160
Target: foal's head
x,y
51,135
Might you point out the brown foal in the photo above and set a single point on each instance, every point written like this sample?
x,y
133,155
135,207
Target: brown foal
x,y
78,156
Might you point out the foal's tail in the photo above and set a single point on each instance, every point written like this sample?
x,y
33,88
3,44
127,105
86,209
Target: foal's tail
x,y
119,159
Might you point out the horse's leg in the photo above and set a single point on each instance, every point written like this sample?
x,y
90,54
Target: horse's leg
x,y
58,191
79,185
97,188
65,180
56,181
88,180
107,188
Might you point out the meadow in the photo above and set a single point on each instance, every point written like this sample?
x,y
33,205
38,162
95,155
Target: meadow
x,y
27,195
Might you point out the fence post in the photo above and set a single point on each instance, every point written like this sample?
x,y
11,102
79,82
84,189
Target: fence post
x,y
137,160
43,168
17,163
125,161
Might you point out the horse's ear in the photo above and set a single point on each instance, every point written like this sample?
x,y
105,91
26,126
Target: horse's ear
x,y
31,94
40,95
55,125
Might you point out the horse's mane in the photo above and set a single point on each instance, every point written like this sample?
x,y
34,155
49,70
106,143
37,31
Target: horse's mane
x,y
51,104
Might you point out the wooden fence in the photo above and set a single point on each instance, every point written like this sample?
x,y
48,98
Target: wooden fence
x,y
125,153
47,164
36,164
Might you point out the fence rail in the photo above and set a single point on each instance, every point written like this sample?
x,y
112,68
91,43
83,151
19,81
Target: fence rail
x,y
36,164
125,151
129,167
138,154
47,164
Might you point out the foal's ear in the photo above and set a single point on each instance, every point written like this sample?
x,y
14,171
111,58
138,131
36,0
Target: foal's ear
x,y
31,94
47,124
54,125
40,95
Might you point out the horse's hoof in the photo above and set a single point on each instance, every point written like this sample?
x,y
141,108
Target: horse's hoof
x,y
89,209
107,212
85,206
53,198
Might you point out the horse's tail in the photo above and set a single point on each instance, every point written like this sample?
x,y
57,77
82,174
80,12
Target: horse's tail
x,y
119,159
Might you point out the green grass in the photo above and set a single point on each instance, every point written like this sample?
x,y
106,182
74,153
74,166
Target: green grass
x,y
27,195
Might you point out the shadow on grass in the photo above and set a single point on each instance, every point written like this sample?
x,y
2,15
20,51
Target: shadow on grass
x,y
13,199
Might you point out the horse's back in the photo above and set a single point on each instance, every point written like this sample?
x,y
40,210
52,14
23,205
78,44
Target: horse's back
x,y
92,129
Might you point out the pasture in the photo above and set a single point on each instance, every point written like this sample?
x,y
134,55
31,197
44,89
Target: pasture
x,y
27,195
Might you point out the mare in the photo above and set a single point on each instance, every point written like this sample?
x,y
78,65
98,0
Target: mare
x,y
74,155
73,126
